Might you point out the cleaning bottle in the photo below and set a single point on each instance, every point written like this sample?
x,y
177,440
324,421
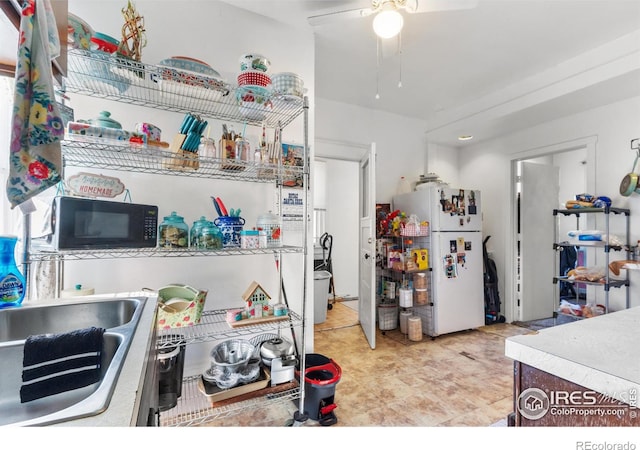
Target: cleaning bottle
x,y
13,286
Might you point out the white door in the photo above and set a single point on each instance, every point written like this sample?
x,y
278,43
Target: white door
x,y
367,239
539,188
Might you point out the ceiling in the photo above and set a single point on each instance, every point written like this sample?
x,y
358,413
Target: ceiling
x,y
486,71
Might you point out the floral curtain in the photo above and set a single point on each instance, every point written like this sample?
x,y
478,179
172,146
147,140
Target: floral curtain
x,y
35,159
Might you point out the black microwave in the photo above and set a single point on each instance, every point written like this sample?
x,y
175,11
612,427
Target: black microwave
x,y
83,223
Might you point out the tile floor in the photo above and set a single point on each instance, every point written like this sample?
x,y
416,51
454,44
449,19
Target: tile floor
x,y
461,379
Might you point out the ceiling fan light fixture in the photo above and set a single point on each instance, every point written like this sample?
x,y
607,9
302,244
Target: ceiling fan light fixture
x,y
388,23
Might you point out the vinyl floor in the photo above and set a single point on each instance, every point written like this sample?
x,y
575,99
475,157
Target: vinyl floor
x,y
458,380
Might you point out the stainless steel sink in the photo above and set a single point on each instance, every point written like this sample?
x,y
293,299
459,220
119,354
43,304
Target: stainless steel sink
x,y
118,316
19,323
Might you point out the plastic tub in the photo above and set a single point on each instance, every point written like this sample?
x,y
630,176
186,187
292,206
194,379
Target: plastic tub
x,y
321,281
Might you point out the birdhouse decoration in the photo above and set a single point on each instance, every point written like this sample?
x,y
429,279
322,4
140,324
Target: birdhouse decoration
x,y
257,301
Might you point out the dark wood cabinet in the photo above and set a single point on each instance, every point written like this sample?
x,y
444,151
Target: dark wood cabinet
x,y
543,400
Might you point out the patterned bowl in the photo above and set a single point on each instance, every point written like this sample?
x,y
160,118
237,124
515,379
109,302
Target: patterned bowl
x,y
185,63
104,43
287,83
254,61
251,93
253,78
78,32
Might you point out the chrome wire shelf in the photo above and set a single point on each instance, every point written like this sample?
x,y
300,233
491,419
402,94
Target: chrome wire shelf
x,y
121,155
611,283
194,408
213,326
72,255
116,78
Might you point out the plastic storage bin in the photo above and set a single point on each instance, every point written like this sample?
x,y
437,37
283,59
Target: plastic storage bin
x,y
321,279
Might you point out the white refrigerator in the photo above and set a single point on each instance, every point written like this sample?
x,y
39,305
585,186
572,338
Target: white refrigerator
x,y
455,256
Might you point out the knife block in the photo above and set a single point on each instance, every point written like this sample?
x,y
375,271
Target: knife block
x,y
181,159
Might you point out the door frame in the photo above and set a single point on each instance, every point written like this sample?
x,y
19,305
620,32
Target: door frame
x,y
367,247
512,311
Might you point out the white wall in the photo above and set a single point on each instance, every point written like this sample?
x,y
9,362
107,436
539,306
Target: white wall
x,y
342,224
487,166
345,131
218,34
400,142
443,161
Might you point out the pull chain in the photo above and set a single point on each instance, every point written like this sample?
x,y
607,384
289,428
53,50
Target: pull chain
x,y
377,68
400,54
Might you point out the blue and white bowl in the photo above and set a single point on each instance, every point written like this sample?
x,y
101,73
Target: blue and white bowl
x,y
190,65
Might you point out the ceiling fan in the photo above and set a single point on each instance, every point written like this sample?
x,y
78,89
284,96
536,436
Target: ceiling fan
x,y
388,21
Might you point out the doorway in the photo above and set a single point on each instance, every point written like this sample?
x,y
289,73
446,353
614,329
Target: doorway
x,y
336,212
575,165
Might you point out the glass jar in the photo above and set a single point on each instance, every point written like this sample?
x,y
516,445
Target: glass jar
x,y
270,223
210,237
196,231
173,232
207,148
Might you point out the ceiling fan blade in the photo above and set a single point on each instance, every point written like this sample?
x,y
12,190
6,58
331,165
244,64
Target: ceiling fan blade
x,y
423,6
322,19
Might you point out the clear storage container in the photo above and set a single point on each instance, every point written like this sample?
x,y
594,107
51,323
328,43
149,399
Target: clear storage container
x,y
205,235
271,224
173,232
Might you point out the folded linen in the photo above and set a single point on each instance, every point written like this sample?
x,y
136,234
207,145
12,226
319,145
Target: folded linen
x,y
55,363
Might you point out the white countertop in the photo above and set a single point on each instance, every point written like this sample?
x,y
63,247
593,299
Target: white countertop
x,y
601,353
123,407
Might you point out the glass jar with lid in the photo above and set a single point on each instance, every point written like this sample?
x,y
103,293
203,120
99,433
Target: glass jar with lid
x,y
271,224
196,231
210,237
173,232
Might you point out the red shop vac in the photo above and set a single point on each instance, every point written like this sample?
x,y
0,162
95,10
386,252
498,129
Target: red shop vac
x,y
322,374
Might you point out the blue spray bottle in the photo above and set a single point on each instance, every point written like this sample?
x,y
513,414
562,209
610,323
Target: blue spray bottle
x,y
13,286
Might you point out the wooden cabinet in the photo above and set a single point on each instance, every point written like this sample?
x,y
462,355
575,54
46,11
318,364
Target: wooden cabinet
x,y
543,400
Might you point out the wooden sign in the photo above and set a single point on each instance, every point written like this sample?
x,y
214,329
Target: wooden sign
x,y
94,185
